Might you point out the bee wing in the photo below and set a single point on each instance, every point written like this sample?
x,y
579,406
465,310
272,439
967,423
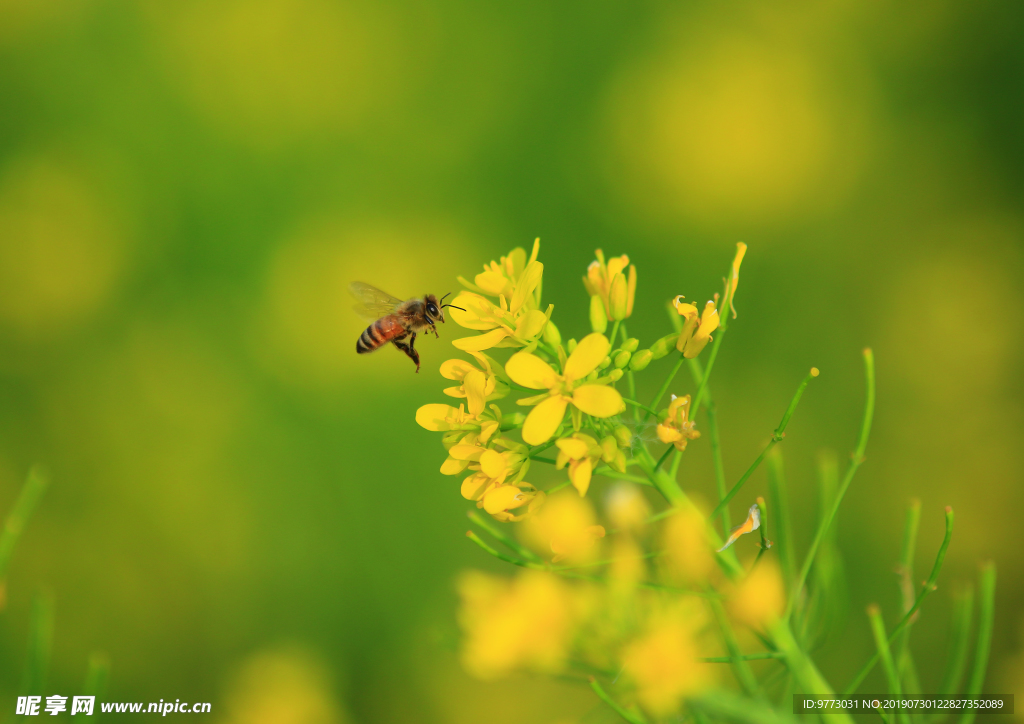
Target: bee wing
x,y
373,303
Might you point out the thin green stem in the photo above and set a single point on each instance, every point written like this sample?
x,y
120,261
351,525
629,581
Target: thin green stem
x,y
664,388
539,459
803,669
780,508
986,615
664,456
777,436
711,363
855,462
913,518
882,644
739,666
607,561
630,379
741,657
40,644
501,556
697,372
31,492
495,533
615,332
616,475
959,643
928,587
674,469
633,717
636,404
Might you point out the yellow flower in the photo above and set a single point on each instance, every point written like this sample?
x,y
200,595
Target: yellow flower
x,y
734,278
497,483
688,559
663,662
594,398
582,453
564,526
627,508
607,281
696,330
500,277
516,319
677,428
478,385
508,625
760,599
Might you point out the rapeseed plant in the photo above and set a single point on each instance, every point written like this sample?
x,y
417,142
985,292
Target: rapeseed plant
x,y
644,606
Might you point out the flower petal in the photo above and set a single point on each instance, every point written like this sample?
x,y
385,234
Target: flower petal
x,y
475,385
492,464
581,476
433,416
575,449
587,356
503,498
543,420
531,371
480,313
527,283
493,283
598,400
530,324
451,466
474,487
481,341
455,369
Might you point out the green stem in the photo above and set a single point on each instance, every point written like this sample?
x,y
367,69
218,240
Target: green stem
x,y
636,404
780,508
986,615
739,666
40,645
882,644
711,363
539,459
913,518
631,716
803,669
31,492
929,586
615,474
858,458
664,388
697,372
741,657
501,556
664,456
630,379
495,533
777,436
615,332
959,643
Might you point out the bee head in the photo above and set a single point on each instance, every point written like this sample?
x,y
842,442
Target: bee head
x,y
435,308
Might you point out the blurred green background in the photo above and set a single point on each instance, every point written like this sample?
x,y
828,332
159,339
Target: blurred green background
x,y
244,512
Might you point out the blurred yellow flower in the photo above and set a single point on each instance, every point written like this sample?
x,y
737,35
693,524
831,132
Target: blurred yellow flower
x,y
688,558
663,662
627,508
515,320
565,526
677,428
608,282
478,384
760,598
593,398
696,332
509,625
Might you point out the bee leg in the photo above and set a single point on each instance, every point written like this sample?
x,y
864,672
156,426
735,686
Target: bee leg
x,y
409,349
433,328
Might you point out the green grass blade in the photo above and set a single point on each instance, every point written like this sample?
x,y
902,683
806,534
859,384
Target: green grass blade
x,y
739,666
31,492
858,458
986,615
904,662
40,645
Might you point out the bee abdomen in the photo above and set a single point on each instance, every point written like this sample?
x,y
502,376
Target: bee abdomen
x,y
374,336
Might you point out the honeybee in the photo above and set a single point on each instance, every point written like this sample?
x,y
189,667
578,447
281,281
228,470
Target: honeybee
x,y
397,321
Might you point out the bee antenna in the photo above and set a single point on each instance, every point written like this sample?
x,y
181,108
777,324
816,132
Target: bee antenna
x,y
442,298
453,307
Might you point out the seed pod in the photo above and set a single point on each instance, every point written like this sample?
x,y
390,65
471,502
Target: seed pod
x,y
598,319
640,360
621,359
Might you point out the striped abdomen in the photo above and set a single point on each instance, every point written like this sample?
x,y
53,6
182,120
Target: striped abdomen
x,y
379,333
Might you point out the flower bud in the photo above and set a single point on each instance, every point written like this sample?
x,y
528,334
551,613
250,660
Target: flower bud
x,y
618,297
623,435
609,448
605,363
662,347
621,359
598,319
570,347
641,359
615,375
631,345
619,463
551,334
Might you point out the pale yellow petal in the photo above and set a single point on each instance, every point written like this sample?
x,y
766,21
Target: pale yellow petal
x,y
466,452
503,498
616,264
543,420
481,341
587,356
474,487
480,313
598,400
451,466
530,324
493,283
531,371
